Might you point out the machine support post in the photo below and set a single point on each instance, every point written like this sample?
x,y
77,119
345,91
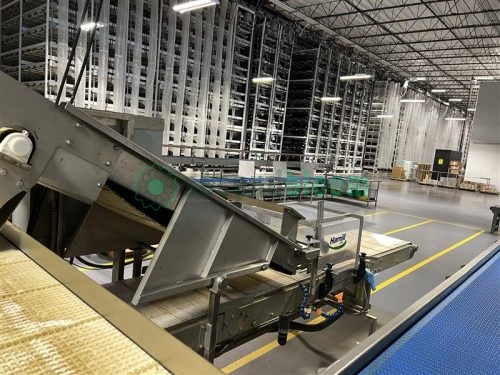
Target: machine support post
x,y
118,265
137,265
212,319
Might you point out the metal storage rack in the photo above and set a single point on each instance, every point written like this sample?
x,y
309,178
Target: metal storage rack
x,y
467,128
357,97
374,125
271,58
190,69
328,121
304,108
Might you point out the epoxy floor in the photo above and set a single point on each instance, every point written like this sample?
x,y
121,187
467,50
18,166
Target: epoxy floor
x,y
449,226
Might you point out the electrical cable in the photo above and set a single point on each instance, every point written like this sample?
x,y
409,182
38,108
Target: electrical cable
x,y
87,53
108,265
73,51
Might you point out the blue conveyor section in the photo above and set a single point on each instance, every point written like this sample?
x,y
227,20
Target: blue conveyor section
x,y
461,335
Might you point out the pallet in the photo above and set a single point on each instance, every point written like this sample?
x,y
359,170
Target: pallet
x,y
490,192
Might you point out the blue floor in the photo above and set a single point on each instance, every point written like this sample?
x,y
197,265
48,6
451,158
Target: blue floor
x,y
461,335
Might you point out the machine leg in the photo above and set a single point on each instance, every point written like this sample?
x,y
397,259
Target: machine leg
x,y
213,317
137,265
373,324
496,222
118,265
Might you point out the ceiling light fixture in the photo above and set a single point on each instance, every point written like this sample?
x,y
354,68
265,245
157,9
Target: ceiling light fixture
x,y
455,119
263,80
418,79
438,90
87,26
385,116
412,100
193,5
471,109
331,99
454,100
484,78
356,77
377,103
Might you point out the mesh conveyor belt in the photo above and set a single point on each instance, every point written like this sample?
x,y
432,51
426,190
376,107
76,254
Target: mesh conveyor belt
x,y
45,328
461,335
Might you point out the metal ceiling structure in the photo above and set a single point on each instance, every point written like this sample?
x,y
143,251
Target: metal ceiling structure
x,y
446,41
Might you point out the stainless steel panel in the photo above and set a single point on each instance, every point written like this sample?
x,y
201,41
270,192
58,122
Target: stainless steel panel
x,y
73,176
224,244
103,230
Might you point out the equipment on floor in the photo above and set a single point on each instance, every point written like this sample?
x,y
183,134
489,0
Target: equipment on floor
x,y
496,218
452,329
219,275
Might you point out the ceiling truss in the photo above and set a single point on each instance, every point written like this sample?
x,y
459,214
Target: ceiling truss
x,y
447,41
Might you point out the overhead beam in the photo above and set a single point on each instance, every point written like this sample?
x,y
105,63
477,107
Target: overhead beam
x,y
445,49
402,42
393,33
365,11
397,21
445,57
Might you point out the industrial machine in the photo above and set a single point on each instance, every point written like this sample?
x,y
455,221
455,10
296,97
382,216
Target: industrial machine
x,y
219,276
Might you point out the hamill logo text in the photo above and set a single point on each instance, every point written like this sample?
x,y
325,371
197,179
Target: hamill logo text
x,y
338,241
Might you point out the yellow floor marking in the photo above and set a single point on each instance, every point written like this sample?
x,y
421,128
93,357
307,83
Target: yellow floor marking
x,y
274,344
377,213
415,267
437,221
408,227
266,348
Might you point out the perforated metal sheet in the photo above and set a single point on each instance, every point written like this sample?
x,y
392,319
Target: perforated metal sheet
x,y
461,335
44,328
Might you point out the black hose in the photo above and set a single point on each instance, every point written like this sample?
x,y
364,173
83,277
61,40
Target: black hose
x,y
285,323
73,51
103,266
314,327
87,53
95,265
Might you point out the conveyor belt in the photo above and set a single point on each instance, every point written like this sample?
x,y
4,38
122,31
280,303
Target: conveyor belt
x,y
181,308
54,319
453,329
171,311
44,328
461,335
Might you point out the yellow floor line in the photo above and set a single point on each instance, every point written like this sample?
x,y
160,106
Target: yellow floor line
x,y
408,227
377,213
415,267
274,344
437,221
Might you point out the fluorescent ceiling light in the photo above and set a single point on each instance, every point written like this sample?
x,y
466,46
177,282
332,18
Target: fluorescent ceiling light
x,y
438,90
454,100
262,80
455,119
355,77
385,116
471,109
412,100
418,79
377,103
87,26
484,78
193,5
331,99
